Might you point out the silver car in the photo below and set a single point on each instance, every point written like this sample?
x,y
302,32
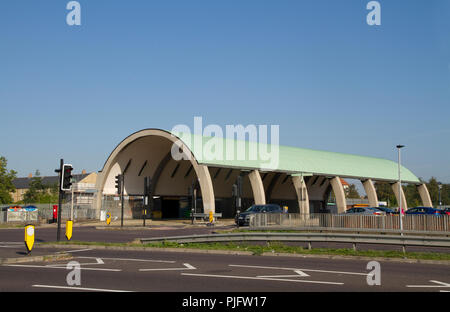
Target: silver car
x,y
367,211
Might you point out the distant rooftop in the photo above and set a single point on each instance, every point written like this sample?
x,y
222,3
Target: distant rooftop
x,y
24,183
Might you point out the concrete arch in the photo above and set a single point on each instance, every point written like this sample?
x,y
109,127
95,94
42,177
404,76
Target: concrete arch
x,y
138,146
257,187
395,187
424,195
370,192
302,194
339,193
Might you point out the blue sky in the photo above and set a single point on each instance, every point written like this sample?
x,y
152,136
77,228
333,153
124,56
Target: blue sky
x,y
313,67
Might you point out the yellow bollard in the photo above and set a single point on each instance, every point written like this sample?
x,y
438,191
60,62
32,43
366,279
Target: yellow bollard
x,y
69,225
108,218
211,217
29,237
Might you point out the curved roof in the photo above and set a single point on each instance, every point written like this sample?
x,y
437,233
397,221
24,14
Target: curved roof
x,y
223,152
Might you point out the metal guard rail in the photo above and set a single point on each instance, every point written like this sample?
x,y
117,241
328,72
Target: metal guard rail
x,y
308,238
353,230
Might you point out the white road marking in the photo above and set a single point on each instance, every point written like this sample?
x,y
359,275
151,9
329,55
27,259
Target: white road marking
x,y
124,259
187,266
60,267
295,269
80,288
78,250
262,278
99,261
440,284
10,244
299,273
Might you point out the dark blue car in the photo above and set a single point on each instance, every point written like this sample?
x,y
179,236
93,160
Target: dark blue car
x,y
424,211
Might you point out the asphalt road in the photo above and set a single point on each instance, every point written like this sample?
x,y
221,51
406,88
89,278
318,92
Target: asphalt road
x,y
115,234
162,271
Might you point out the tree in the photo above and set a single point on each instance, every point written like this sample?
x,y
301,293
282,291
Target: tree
x,y
433,189
412,195
352,192
38,192
385,193
35,189
6,182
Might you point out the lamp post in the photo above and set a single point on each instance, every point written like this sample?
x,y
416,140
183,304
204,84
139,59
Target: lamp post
x,y
440,201
400,210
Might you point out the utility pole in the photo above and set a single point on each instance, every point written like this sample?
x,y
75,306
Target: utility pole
x,y
60,199
65,184
122,177
148,197
400,210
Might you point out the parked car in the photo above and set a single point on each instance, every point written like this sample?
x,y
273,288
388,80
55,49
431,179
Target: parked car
x,y
386,210
446,211
367,211
244,217
424,211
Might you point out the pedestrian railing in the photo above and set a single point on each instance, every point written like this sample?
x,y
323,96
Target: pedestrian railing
x,y
439,223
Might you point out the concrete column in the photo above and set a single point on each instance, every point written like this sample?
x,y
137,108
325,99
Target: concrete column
x,y
338,190
206,187
395,189
98,196
424,195
302,194
371,193
257,187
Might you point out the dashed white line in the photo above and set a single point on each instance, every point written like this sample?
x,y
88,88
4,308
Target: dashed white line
x,y
262,278
78,250
440,284
295,269
125,259
79,288
59,267
187,266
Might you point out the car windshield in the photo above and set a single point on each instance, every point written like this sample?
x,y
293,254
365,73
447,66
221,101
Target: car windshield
x,y
254,209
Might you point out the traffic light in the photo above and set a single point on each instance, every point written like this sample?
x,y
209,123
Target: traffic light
x,y
66,177
119,184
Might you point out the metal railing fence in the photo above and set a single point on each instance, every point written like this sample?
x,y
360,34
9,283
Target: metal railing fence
x,y
439,223
45,212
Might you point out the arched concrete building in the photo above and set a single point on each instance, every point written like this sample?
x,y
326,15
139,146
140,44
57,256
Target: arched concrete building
x,y
300,178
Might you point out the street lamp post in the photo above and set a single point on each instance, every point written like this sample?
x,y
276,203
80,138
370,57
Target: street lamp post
x,y
400,211
440,201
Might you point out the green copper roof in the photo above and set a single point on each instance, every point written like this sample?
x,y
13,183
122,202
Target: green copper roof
x,y
221,152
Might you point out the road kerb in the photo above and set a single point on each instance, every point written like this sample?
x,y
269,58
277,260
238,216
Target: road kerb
x,y
52,257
